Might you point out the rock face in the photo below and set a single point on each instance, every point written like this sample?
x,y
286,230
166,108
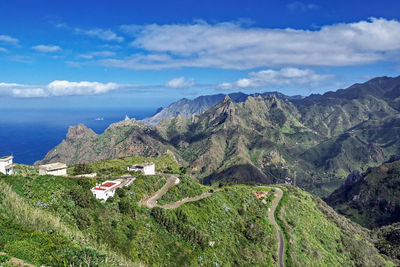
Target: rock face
x,y
79,131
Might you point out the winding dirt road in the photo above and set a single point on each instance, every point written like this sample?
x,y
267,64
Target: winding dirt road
x,y
172,180
271,217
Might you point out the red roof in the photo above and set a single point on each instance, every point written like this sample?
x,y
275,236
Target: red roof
x,y
109,184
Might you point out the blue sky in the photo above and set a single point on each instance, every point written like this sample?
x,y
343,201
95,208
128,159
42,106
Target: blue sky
x,y
149,53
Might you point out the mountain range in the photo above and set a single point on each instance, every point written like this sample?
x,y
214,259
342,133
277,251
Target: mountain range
x,y
313,142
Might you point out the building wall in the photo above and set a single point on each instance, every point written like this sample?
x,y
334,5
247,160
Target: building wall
x,y
149,170
104,195
59,172
3,164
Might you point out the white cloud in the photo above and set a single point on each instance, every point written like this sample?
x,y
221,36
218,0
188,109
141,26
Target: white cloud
x,y
3,50
288,77
57,88
300,6
233,46
91,55
180,83
46,48
8,39
105,35
29,92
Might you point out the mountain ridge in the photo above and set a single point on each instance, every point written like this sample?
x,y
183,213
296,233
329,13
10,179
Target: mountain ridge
x,y
313,142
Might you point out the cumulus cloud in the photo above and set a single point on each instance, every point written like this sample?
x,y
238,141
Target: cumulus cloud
x,y
57,88
288,77
8,39
234,46
180,83
46,48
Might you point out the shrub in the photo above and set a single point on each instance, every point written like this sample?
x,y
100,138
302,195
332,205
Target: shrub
x,y
82,198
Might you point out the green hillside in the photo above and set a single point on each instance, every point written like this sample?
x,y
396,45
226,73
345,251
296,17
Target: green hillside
x,y
56,221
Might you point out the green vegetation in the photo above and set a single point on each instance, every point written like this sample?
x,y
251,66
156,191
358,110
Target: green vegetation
x,y
388,241
26,170
186,188
176,237
118,167
56,221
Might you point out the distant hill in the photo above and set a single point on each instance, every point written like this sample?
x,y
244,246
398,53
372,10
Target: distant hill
x,y
372,198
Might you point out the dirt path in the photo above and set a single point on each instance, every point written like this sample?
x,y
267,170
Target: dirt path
x,y
176,205
172,180
271,217
151,202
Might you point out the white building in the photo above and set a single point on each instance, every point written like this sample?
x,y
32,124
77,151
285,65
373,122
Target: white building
x,y
57,169
147,168
6,165
106,189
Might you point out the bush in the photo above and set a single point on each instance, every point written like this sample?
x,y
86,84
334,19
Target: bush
x,y
82,198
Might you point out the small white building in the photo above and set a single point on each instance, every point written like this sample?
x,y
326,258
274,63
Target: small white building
x,y
56,169
105,190
147,168
6,165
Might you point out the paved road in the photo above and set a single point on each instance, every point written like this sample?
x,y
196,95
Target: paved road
x,y
271,217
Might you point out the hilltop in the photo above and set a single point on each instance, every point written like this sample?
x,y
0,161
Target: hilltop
x,y
56,220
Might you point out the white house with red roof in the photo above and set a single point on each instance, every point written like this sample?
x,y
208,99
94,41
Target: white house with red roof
x,y
106,189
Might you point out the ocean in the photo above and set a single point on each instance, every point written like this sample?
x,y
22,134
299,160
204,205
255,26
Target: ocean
x,y
29,134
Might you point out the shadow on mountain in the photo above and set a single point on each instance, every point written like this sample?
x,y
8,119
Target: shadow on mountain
x,y
244,173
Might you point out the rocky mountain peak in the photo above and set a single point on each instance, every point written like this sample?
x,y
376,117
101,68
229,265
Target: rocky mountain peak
x,y
227,99
79,131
